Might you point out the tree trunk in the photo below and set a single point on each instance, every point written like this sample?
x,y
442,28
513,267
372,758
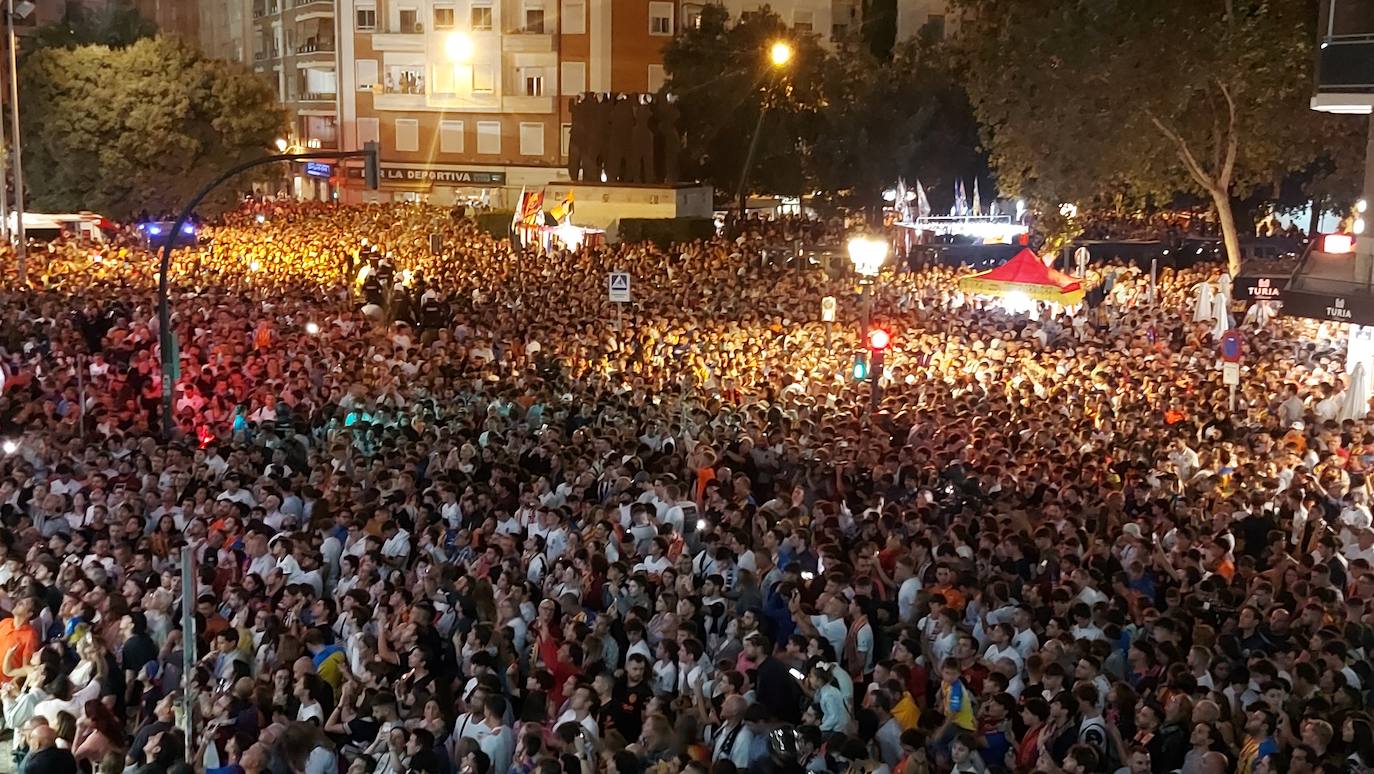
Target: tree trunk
x,y
1222,201
1318,204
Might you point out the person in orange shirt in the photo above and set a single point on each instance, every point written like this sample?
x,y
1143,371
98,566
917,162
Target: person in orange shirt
x,y
944,586
18,640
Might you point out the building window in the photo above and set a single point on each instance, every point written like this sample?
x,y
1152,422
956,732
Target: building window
x,y
441,81
803,20
564,138
656,78
450,136
443,18
531,139
483,79
481,18
366,70
410,20
574,77
407,135
366,19
405,79
534,18
489,137
533,78
694,20
574,17
660,18
369,130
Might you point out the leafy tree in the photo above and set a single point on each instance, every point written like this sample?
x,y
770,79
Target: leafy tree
x,y
721,75
140,127
847,124
908,117
115,24
1082,100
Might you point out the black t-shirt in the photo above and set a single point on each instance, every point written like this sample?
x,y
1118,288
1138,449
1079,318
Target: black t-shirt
x,y
137,652
626,711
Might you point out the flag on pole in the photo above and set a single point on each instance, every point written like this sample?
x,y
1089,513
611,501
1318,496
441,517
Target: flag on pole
x,y
563,210
922,203
534,209
519,211
900,204
977,200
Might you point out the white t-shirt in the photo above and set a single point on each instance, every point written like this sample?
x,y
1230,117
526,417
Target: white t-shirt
x,y
833,631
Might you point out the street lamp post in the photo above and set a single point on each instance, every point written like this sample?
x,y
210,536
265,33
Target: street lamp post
x,y
779,57
868,254
166,339
21,239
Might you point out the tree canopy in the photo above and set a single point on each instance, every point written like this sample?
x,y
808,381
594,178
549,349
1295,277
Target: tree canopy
x,y
1083,100
846,124
140,127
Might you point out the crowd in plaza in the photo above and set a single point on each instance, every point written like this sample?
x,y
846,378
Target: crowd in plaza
x,y
453,513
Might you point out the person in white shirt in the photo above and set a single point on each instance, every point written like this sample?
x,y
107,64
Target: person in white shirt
x,y
395,544
499,742
731,740
233,493
908,590
580,712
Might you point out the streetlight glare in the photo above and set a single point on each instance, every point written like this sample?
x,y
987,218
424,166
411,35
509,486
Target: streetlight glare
x,y
780,53
459,47
281,144
867,255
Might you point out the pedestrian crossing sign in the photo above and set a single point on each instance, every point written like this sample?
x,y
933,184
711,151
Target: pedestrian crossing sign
x,y
619,287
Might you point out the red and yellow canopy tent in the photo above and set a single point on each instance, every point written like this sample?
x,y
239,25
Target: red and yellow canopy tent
x,y
1025,275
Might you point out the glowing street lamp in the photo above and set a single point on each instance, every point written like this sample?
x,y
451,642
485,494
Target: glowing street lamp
x,y
867,255
779,57
780,53
282,144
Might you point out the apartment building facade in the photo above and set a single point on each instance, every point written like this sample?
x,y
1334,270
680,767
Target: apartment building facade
x,y
469,98
293,44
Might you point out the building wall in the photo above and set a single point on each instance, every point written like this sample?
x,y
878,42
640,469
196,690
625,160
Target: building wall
x,y
173,17
439,89
225,29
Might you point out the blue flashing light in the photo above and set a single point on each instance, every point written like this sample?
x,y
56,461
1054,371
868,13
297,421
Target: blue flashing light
x,y
154,230
189,228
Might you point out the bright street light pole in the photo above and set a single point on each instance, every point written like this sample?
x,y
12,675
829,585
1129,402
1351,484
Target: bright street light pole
x,y
867,254
779,57
21,243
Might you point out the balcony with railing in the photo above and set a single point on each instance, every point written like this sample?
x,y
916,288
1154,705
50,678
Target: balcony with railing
x,y
265,8
1345,56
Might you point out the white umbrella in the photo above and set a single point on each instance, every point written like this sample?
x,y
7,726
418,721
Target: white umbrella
x,y
1202,311
1356,402
1260,313
1220,302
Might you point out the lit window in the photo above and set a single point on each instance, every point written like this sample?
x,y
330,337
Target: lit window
x,y
443,18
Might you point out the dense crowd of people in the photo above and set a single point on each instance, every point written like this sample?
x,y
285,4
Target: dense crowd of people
x,y
452,513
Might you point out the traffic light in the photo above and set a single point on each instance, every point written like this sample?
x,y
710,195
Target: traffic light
x,y
878,339
372,172
860,368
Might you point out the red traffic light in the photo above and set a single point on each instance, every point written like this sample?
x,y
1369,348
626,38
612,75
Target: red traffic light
x,y
878,339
